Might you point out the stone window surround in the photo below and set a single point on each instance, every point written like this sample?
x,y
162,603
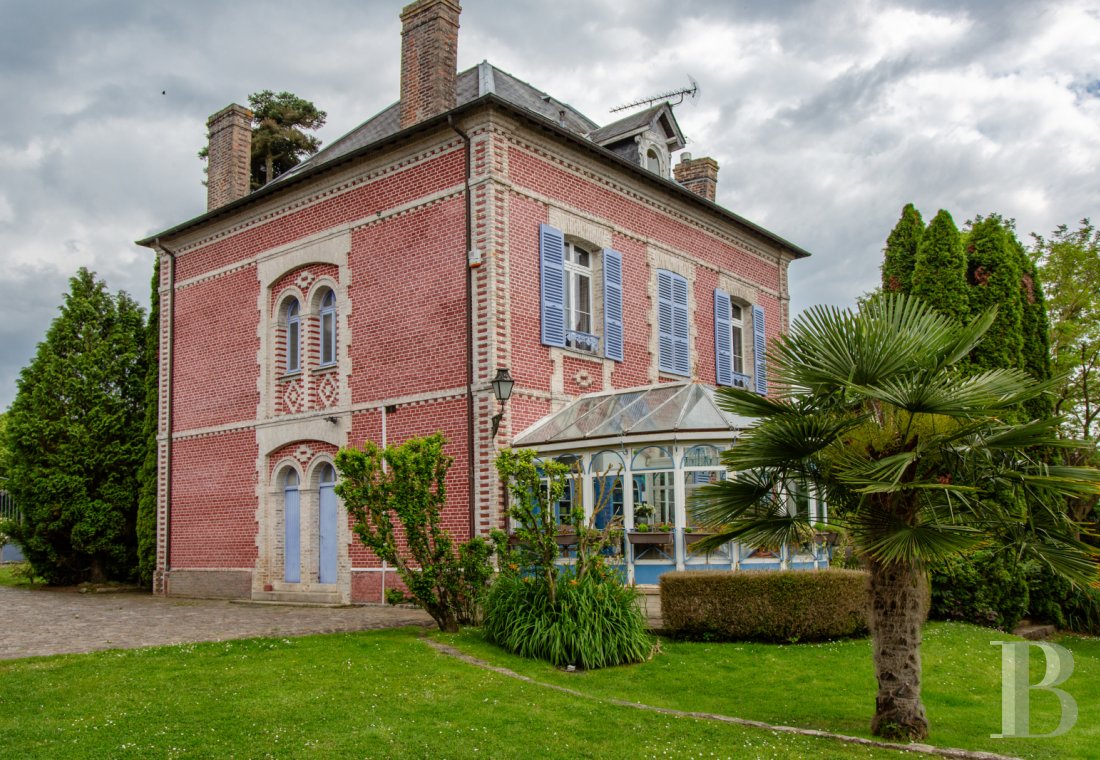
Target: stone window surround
x,y
593,237
309,514
747,296
659,258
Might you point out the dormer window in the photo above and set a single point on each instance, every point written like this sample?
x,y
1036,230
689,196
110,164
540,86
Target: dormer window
x,y
652,162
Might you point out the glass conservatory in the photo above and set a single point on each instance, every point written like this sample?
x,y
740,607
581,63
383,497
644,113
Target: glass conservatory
x,y
638,454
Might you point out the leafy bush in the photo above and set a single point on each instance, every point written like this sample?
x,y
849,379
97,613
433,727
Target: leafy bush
x,y
408,481
981,587
580,615
1055,600
590,624
790,605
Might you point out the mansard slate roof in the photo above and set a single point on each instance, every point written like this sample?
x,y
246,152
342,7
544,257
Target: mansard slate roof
x,y
472,83
483,83
669,410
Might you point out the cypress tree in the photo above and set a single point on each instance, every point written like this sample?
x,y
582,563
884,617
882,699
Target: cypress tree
x,y
900,253
76,440
939,273
147,499
1035,353
993,270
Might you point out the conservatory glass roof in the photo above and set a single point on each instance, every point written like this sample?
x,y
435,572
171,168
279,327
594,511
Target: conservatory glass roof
x,y
673,409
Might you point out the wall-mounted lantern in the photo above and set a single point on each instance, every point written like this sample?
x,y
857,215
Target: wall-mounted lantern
x,y
502,390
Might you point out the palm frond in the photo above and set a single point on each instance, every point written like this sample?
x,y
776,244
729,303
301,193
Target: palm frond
x,y
748,404
782,440
889,539
748,494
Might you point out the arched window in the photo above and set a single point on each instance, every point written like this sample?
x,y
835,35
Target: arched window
x,y
653,163
328,329
293,337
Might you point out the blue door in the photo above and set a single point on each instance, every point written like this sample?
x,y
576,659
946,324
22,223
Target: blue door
x,y
327,526
292,521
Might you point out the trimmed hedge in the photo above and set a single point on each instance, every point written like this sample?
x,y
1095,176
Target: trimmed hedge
x,y
780,606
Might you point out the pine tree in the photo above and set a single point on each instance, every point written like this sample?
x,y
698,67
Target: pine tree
x,y
993,270
278,142
147,499
76,442
900,254
939,273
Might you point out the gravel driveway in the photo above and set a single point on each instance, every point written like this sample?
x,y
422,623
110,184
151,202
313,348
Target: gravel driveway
x,y
48,621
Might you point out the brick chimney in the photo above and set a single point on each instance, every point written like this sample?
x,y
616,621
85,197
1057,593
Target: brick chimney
x,y
699,175
429,59
230,160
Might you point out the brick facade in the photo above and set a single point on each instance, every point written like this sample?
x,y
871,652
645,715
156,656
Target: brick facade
x,y
386,234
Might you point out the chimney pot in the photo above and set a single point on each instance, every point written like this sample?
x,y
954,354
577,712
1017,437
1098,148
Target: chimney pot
x,y
229,163
429,59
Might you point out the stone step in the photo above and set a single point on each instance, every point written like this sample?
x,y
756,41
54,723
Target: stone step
x,y
311,598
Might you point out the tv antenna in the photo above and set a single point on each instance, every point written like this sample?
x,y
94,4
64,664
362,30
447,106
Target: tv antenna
x,y
680,94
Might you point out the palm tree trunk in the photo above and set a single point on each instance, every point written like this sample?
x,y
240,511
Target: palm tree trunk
x,y
899,606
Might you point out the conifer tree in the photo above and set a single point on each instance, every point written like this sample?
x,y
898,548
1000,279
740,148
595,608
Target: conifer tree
x,y
900,253
993,269
1035,353
939,273
76,439
147,499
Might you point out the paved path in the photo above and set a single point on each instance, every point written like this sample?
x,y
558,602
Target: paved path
x,y
42,622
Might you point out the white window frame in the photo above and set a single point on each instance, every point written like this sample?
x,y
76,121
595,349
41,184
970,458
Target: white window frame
x,y
293,336
576,338
327,340
741,378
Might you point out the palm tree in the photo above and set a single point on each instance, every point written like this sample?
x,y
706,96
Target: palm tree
x,y
913,457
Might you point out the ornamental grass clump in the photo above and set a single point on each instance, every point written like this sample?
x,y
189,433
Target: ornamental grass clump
x,y
581,615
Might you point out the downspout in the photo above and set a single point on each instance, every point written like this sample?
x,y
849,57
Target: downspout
x,y
470,453
169,387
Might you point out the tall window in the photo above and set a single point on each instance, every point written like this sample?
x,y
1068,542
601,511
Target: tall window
x,y
737,338
328,329
293,337
578,298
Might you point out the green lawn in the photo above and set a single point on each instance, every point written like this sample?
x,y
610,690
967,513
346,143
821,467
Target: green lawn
x,y
831,686
387,694
10,575
377,694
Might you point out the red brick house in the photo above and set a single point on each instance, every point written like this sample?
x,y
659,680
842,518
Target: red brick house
x,y
373,291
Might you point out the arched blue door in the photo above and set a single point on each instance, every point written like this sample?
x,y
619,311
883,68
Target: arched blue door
x,y
292,528
327,526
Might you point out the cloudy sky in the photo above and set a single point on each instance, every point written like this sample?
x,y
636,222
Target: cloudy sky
x,y
825,116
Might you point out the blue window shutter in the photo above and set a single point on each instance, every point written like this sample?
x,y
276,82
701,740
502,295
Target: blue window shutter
x,y
723,343
680,325
552,265
612,304
665,345
292,536
759,345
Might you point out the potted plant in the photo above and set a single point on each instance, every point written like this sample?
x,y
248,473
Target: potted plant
x,y
644,533
693,535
